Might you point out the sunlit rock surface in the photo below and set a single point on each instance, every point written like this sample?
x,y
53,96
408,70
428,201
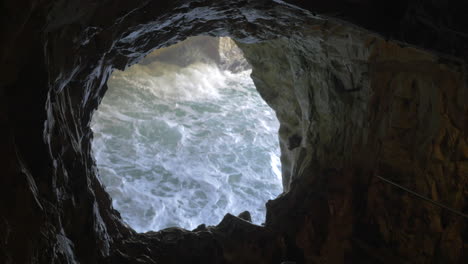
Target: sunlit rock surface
x,y
220,51
353,104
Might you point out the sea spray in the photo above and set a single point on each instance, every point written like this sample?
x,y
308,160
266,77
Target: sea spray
x,y
182,146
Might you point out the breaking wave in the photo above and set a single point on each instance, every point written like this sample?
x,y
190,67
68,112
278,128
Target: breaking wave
x,y
182,146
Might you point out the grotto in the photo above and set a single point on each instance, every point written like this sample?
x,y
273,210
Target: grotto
x,y
372,103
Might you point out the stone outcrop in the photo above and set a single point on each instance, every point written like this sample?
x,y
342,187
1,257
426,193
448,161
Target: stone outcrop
x,y
231,57
191,50
221,51
385,97
360,107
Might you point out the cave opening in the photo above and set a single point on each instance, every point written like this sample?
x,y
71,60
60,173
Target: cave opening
x,y
183,137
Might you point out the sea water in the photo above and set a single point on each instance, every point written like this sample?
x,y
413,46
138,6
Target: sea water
x,y
184,146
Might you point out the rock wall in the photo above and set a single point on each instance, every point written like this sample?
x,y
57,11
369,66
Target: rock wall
x,y
221,51
231,57
190,50
353,106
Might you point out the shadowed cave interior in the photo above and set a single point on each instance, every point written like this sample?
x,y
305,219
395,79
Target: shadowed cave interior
x,y
362,91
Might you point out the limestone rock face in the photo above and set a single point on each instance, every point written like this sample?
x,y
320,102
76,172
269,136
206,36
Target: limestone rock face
x,y
221,51
358,108
354,105
191,50
231,57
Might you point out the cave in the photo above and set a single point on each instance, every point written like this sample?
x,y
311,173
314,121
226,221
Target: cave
x,y
371,100
183,137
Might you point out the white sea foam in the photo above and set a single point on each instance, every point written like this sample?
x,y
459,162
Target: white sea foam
x,y
184,146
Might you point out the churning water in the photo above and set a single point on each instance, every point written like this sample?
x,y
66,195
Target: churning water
x,y
182,146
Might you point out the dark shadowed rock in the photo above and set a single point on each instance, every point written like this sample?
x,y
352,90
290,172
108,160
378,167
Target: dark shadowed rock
x,y
245,216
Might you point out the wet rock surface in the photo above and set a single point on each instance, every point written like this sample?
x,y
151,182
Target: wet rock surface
x,y
351,104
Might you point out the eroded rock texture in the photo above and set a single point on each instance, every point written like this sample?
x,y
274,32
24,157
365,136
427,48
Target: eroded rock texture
x,y
362,108
353,105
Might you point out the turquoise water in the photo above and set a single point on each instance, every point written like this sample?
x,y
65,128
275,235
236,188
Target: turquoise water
x,y
184,146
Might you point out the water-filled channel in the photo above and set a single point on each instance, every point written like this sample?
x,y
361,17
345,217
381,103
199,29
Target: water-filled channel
x,y
182,146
